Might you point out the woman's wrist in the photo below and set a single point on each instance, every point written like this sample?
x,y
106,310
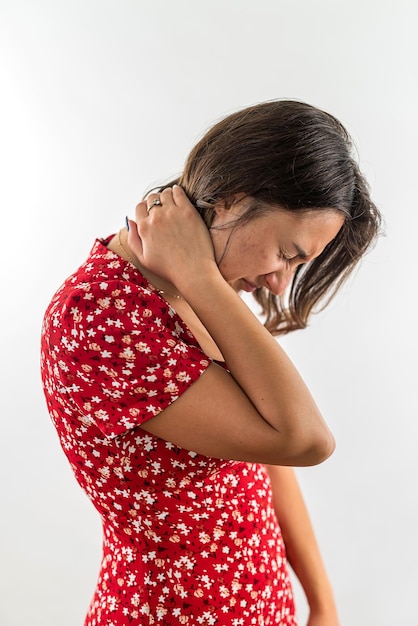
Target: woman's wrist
x,y
204,282
321,599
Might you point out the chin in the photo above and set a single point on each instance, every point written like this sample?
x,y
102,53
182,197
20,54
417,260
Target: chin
x,y
236,285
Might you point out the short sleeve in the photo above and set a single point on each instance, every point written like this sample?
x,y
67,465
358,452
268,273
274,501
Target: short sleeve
x,y
121,355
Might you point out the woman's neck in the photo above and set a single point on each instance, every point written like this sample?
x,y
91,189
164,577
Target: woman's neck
x,y
119,245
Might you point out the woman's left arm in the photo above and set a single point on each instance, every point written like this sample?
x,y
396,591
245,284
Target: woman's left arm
x,y
301,546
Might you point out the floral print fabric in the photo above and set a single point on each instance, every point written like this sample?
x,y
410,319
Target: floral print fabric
x,y
188,539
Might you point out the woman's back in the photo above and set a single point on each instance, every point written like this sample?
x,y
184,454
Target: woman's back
x,y
188,539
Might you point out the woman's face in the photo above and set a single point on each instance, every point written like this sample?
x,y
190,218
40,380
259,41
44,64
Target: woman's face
x,y
266,251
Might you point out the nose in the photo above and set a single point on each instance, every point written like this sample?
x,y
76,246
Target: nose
x,y
276,282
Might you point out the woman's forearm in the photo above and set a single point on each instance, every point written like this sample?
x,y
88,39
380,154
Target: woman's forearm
x,y
261,367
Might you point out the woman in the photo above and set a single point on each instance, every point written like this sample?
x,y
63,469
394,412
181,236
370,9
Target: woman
x,y
178,410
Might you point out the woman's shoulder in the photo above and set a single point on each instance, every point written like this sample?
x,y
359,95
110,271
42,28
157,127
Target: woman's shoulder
x,y
106,289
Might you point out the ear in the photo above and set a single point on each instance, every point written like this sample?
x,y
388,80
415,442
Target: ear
x,y
232,203
221,207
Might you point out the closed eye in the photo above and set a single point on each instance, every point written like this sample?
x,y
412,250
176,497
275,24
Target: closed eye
x,y
301,256
287,258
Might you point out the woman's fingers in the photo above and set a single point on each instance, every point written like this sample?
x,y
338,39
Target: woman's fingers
x,y
169,198
134,240
170,237
153,200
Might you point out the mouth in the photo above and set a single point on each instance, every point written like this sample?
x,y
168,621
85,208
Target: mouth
x,y
247,286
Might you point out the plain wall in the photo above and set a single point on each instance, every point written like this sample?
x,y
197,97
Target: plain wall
x,y
101,99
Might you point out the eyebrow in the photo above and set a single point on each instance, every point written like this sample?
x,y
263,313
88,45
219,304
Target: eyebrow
x,y
301,253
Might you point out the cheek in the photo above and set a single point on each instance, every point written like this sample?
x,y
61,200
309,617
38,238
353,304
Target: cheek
x,y
237,260
248,249
254,260
246,256
259,252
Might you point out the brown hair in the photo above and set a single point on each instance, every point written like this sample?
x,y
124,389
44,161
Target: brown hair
x,y
292,155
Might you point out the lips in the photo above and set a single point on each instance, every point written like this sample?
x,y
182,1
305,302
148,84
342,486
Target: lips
x,y
247,286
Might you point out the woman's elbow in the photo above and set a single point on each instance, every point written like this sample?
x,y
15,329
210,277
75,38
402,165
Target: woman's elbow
x,y
319,449
303,449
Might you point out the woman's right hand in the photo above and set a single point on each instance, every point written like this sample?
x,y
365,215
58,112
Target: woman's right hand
x,y
171,240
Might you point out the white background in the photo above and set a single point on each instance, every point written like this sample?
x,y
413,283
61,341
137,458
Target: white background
x,y
102,98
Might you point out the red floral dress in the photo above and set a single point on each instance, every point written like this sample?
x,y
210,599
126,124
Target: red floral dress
x,y
188,539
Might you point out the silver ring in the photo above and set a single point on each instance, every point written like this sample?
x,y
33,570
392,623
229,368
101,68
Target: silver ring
x,y
155,202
